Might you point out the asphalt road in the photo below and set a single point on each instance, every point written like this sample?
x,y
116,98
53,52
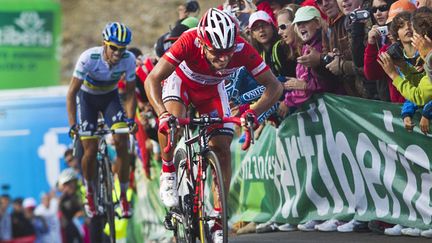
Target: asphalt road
x,y
324,237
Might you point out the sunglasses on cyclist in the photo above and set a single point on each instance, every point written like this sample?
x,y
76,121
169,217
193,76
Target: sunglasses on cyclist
x,y
218,53
318,2
382,8
116,48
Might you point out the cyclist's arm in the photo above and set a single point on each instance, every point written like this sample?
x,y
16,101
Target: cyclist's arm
x,y
272,93
153,84
130,100
74,87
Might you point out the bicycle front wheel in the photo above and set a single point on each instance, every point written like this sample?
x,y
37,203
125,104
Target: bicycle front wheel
x,y
213,197
183,220
108,200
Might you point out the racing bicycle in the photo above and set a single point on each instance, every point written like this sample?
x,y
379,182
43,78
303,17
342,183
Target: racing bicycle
x,y
105,197
200,182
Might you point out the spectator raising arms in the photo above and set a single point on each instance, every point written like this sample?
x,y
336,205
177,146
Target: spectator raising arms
x,y
308,27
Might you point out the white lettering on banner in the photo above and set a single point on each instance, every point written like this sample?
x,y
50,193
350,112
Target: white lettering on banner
x,y
338,148
326,176
410,189
294,155
390,158
286,178
423,202
373,168
277,182
51,151
305,142
258,167
371,173
415,153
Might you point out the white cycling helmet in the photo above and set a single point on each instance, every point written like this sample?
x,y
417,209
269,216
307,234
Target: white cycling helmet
x,y
67,175
217,30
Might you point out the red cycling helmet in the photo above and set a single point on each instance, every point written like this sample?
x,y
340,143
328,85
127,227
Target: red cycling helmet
x,y
217,30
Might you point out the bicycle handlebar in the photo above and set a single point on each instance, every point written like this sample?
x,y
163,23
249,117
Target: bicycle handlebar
x,y
123,130
174,123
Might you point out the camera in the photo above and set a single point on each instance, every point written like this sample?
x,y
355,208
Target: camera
x,y
383,30
395,51
328,59
359,15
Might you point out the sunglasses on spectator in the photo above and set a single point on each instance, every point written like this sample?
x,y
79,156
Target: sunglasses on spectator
x,y
283,26
382,8
218,53
114,47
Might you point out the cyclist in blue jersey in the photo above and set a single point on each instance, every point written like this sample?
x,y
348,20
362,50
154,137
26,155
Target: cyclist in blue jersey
x,y
93,90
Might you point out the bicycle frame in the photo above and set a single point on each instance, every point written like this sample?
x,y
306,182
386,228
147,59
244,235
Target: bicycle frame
x,y
198,181
104,185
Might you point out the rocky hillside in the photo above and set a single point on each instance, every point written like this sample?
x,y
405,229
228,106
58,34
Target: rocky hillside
x,y
84,20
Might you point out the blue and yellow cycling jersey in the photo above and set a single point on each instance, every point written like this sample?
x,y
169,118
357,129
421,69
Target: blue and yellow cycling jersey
x,y
98,76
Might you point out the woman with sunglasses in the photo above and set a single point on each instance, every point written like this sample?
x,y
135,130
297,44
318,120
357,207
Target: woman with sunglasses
x,y
290,41
93,90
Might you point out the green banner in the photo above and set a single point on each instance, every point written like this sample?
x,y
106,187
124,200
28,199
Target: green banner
x,y
337,157
29,43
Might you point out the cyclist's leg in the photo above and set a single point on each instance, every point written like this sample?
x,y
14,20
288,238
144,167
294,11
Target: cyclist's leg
x,y
114,117
175,101
87,118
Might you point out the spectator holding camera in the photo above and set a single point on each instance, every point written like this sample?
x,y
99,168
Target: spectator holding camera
x,y
375,46
342,64
334,37
413,84
407,75
362,22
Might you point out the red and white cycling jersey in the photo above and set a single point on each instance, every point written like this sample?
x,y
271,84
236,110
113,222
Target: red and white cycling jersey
x,y
187,54
195,82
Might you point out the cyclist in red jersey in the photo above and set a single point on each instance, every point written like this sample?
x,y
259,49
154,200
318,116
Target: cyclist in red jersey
x,y
193,71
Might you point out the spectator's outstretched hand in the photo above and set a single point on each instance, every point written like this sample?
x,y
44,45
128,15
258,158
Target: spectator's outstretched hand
x,y
387,64
422,44
311,58
295,84
409,125
424,125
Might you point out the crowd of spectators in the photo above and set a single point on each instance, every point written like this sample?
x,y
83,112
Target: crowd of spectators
x,y
371,49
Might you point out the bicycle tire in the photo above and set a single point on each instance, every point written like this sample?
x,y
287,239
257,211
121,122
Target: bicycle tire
x,y
215,178
184,231
108,199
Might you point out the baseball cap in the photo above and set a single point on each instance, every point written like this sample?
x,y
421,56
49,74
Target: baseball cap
x,y
259,15
29,203
306,13
400,6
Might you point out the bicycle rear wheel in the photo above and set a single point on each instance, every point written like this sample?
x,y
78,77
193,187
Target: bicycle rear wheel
x,y
182,217
213,197
108,199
